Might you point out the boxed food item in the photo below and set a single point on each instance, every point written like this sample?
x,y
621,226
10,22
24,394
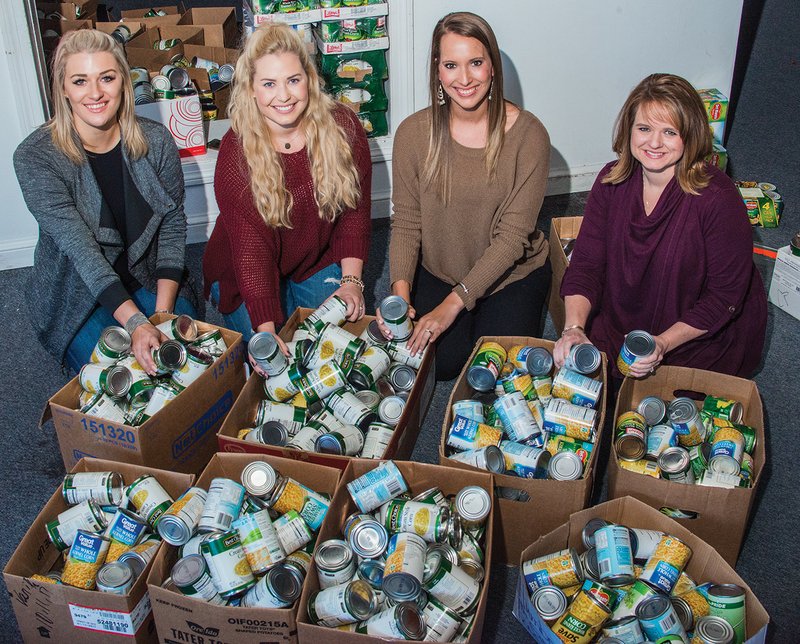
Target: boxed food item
x,y
716,514
400,442
180,437
218,23
529,503
705,566
64,613
718,156
185,619
183,118
764,205
422,480
784,289
716,104
563,232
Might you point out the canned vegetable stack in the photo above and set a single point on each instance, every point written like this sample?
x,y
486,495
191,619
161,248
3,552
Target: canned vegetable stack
x,y
409,564
629,585
763,202
108,535
337,393
245,543
525,420
681,443
117,388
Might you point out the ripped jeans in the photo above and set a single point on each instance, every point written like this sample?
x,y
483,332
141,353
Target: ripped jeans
x,y
309,293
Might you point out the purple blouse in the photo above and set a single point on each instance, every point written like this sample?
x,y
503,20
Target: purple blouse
x,y
690,261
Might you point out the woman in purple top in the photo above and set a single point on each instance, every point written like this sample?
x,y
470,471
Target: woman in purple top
x,y
665,245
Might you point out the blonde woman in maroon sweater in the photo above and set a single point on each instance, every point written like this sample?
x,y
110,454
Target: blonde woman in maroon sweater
x,y
293,183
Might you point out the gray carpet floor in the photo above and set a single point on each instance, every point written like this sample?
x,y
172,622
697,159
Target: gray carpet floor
x,y
763,145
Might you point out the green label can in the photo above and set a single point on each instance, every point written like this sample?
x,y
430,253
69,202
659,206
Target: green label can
x,y
228,564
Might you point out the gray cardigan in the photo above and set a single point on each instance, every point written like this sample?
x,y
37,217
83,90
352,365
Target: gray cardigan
x,y
74,257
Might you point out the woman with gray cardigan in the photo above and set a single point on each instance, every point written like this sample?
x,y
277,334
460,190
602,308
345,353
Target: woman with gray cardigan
x,y
106,189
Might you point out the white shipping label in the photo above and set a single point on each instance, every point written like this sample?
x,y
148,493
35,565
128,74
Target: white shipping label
x,y
111,621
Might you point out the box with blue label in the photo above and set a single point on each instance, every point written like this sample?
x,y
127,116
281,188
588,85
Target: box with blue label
x,y
559,598
181,436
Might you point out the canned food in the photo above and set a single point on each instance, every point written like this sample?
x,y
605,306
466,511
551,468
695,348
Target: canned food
x,y
138,556
86,556
631,436
488,458
562,569
366,536
335,563
590,529
404,567
401,352
543,386
179,522
648,468
182,328
105,407
266,352
348,408
394,310
125,530
348,441
376,440
731,410
192,578
675,466
377,486
401,377
284,386
685,420
666,563
442,622
660,438
425,520
197,362
524,461
343,604
333,311
114,343
106,488
450,585
149,499
728,602
517,418
211,342
485,367
658,619
644,543
614,555
371,571
582,619
465,434
290,494
293,532
259,479
86,516
115,577
373,363
565,466
713,630
472,409
637,346
372,334
564,418
227,564
335,343
223,505
653,409
727,451
589,565
577,388
319,384
290,417
583,358
635,595
473,505
279,588
624,630
390,410
550,602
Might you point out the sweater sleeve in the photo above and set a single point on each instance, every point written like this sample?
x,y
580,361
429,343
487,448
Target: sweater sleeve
x,y
406,223
351,232
728,240
516,224
253,245
49,200
586,272
172,233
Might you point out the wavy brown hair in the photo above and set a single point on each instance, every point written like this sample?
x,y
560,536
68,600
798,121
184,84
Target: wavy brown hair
x,y
62,129
333,170
679,102
436,171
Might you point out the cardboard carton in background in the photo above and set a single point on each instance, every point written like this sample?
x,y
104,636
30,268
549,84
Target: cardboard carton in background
x,y
560,227
109,27
181,437
49,612
784,289
705,565
178,618
419,477
75,10
551,502
183,117
174,14
218,24
723,514
140,51
405,434
221,56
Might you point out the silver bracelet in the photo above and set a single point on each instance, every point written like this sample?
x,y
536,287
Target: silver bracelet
x,y
135,321
466,290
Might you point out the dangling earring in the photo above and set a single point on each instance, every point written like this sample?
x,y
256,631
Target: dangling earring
x,y
440,95
491,87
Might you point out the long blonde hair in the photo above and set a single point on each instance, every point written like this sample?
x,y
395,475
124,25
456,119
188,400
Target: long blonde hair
x,y
62,129
436,171
679,101
333,170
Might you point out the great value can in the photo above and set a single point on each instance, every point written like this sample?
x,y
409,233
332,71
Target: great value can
x,y
525,461
727,451
659,438
614,555
377,486
637,346
290,494
86,556
584,358
562,569
536,361
125,530
472,409
658,619
467,434
488,458
685,420
666,563
577,388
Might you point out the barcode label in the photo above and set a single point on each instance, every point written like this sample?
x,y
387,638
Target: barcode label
x,y
224,519
394,487
111,621
668,622
604,565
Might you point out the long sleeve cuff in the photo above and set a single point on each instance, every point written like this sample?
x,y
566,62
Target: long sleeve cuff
x,y
265,309
113,296
351,246
170,273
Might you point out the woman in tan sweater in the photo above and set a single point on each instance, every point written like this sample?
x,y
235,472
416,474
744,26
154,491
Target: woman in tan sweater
x,y
469,176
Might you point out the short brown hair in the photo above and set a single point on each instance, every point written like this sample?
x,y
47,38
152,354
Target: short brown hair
x,y
681,103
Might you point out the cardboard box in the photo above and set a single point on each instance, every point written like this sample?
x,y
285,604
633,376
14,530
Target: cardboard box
x,y
109,27
419,477
348,13
174,14
560,228
60,27
218,24
140,51
183,619
722,513
405,434
293,18
368,44
67,614
551,502
718,156
761,209
784,289
75,10
706,565
181,437
183,118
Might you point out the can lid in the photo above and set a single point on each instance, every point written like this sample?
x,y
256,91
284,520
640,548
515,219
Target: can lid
x,y
481,378
114,574
714,630
630,447
368,539
273,432
262,346
259,478
172,354
118,381
173,530
116,338
410,621
402,377
640,343
445,550
186,327
592,526
334,554
681,410
286,581
549,601
495,461
653,607
371,571
188,570
472,567
363,600
726,590
585,358
589,563
653,409
374,333
473,503
539,362
329,444
565,466
391,409
393,308
673,460
370,398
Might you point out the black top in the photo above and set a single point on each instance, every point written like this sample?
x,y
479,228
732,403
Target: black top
x,y
108,169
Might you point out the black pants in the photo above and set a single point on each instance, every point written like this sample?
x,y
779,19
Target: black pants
x,y
515,310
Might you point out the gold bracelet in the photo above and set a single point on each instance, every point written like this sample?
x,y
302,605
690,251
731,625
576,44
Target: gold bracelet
x,y
572,328
352,279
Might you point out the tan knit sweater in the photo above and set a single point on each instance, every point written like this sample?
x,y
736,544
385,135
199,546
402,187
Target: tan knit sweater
x,y
486,237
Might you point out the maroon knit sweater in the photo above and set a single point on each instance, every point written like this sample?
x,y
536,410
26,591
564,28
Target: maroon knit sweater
x,y
249,259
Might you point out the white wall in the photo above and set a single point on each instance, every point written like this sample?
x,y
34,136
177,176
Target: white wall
x,y
573,62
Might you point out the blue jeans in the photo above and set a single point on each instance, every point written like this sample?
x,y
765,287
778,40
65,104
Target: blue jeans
x,y
82,345
309,293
